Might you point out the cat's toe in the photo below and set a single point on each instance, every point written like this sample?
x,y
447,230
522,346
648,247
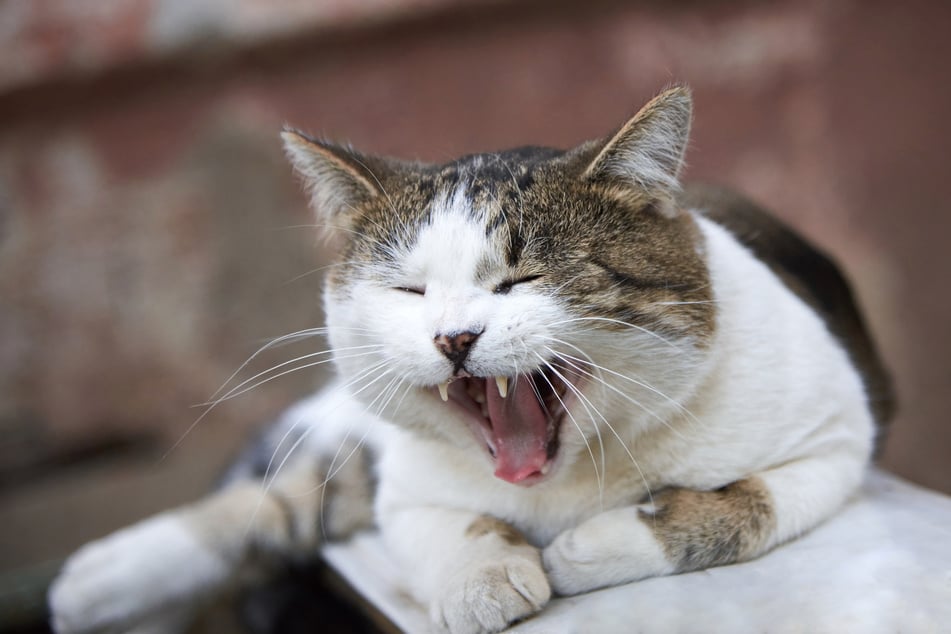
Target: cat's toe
x,y
489,597
130,576
88,595
609,549
566,562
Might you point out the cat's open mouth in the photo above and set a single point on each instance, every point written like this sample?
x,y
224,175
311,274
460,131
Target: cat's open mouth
x,y
518,419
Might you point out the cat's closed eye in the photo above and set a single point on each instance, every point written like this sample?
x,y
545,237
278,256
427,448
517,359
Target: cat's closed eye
x,y
504,287
415,290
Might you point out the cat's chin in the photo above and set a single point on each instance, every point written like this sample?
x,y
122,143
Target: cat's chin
x,y
517,420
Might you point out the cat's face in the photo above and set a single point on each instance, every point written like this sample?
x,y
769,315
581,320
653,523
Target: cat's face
x,y
516,303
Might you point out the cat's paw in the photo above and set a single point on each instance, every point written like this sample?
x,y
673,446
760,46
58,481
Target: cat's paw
x,y
488,597
609,549
127,578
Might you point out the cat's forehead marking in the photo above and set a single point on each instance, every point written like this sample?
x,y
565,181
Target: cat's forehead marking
x,y
452,246
496,185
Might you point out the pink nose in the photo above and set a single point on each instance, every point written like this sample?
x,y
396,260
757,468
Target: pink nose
x,y
456,345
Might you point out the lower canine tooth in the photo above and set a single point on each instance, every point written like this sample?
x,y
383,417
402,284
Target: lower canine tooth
x,y
503,384
444,391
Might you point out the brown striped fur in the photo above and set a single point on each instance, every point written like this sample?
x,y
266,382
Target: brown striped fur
x,y
700,529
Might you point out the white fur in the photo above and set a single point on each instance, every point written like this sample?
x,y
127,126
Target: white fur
x,y
612,547
774,395
137,578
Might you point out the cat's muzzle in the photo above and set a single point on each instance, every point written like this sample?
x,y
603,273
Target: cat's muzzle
x,y
518,419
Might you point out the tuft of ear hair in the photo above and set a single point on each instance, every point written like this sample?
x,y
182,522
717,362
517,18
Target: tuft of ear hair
x,y
337,179
648,150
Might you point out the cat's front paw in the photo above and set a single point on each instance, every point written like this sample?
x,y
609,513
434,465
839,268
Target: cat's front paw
x,y
488,597
137,574
609,549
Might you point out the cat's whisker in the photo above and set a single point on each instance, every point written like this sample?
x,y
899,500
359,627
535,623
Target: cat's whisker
x,y
598,473
393,393
231,393
619,323
639,383
597,429
382,398
363,375
287,340
619,392
583,398
284,364
267,485
229,396
320,269
277,341
236,392
588,361
333,469
293,336
399,403
277,449
624,445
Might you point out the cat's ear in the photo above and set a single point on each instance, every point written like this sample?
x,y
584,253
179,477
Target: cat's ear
x,y
338,180
648,151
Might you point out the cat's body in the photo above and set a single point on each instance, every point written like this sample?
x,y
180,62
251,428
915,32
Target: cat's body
x,y
668,400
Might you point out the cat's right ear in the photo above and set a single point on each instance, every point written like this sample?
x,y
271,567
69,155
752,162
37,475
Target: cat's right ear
x,y
648,151
338,180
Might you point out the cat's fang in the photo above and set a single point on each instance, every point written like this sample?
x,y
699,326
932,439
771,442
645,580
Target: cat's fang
x,y
502,382
444,391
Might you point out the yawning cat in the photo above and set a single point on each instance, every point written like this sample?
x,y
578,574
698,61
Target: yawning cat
x,y
562,371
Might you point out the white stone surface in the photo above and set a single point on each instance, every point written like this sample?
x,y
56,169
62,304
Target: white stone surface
x,y
883,564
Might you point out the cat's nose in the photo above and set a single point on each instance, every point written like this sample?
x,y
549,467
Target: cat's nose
x,y
456,345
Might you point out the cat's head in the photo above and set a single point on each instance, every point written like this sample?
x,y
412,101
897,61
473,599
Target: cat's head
x,y
525,304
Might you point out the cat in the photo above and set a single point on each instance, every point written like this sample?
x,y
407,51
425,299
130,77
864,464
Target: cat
x,y
558,370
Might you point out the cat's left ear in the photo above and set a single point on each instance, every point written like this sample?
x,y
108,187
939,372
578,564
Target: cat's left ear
x,y
340,181
648,151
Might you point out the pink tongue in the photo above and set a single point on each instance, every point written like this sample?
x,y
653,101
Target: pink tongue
x,y
519,430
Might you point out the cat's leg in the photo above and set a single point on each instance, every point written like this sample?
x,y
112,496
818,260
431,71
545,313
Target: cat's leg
x,y
476,573
149,575
684,529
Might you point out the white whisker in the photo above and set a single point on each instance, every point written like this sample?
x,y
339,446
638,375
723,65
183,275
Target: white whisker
x,y
231,393
266,485
619,323
647,386
599,474
620,440
234,394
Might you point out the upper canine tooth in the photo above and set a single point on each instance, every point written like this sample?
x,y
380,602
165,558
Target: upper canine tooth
x,y
503,384
444,391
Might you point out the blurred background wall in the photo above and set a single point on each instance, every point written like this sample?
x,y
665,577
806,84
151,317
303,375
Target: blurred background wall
x,y
152,237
